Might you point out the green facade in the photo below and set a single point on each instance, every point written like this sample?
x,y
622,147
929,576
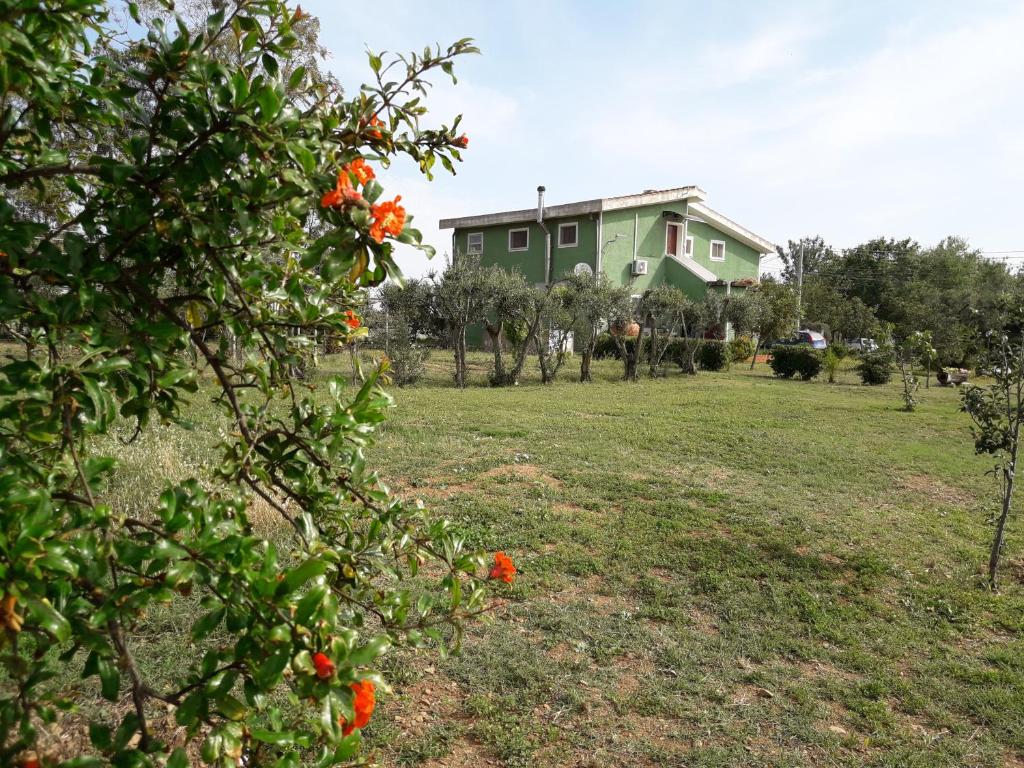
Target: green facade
x,y
531,261
617,231
627,233
741,261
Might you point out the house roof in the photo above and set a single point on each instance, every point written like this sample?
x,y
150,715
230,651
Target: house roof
x,y
694,196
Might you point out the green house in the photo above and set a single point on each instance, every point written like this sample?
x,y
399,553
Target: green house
x,y
643,240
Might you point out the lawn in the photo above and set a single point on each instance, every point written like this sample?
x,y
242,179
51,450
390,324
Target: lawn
x,y
720,570
717,570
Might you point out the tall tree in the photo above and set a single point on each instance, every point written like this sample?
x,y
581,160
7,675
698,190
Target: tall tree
x,y
817,256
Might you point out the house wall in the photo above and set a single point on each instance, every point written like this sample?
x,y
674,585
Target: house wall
x,y
616,261
531,261
740,260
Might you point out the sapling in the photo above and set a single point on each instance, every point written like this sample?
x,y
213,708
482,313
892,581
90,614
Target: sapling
x,y
997,411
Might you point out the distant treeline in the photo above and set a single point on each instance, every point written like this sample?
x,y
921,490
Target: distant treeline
x,y
896,287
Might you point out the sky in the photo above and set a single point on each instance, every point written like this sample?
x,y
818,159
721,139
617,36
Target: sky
x,y
845,120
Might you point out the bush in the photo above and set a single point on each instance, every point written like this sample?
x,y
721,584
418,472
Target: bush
x,y
831,363
799,359
876,367
676,351
188,223
713,356
741,348
407,360
605,348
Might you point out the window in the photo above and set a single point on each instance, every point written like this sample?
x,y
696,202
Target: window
x,y
689,246
568,235
673,236
475,242
717,250
518,239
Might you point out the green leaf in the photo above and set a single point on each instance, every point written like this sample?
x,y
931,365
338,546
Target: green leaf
x,y
368,653
299,575
207,623
47,617
110,679
295,80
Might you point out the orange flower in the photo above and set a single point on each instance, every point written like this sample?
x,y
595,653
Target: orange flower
x,y
331,198
352,320
360,170
324,666
374,132
342,193
388,219
363,704
299,14
462,141
503,568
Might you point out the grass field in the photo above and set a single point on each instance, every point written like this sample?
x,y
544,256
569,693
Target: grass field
x,y
720,570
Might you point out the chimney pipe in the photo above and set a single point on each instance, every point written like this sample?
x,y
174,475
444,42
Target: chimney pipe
x,y
547,235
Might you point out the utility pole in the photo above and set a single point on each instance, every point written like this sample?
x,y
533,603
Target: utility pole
x,y
799,286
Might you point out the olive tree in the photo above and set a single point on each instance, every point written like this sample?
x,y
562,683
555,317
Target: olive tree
x,y
590,300
191,193
463,296
511,296
664,309
773,313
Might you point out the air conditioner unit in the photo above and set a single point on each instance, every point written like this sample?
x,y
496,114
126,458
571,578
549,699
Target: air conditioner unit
x,y
639,266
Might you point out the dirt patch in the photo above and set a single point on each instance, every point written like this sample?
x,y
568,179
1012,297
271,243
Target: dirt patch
x,y
441,488
431,700
814,671
68,737
574,511
528,472
702,622
632,671
465,754
747,695
935,490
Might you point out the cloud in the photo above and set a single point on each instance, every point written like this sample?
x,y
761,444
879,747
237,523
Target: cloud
x,y
771,49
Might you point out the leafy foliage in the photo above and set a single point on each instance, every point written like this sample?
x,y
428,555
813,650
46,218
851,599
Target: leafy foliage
x,y
773,314
789,360
462,296
714,356
741,348
949,289
998,411
193,229
876,367
830,361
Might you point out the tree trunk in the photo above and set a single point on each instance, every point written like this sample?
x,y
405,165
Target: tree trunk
x,y
1009,474
692,345
523,351
585,358
499,377
757,346
459,343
